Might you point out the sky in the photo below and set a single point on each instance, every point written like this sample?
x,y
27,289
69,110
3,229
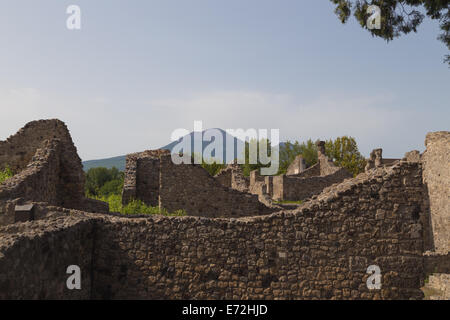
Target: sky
x,y
138,70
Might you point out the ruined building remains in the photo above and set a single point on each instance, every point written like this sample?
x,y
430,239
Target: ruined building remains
x,y
395,217
151,176
48,170
233,177
300,183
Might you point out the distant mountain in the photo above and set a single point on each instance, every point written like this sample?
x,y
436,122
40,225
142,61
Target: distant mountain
x,y
119,162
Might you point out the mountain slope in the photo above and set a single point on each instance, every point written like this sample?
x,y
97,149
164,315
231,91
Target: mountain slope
x,y
119,161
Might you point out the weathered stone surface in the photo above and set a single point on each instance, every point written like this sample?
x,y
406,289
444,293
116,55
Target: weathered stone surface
x,y
297,166
152,177
321,250
305,183
233,177
436,175
53,173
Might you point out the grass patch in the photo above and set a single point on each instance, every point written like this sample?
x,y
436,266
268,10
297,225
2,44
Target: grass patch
x,y
5,174
288,202
431,292
135,207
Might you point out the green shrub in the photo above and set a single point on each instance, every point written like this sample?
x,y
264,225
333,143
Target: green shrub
x,y
5,174
134,207
103,181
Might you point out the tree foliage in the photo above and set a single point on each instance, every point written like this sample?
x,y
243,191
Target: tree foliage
x,y
247,167
103,181
289,150
398,16
344,153
5,174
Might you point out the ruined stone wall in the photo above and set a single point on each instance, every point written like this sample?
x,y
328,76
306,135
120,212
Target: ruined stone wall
x,y
18,150
322,250
233,177
293,188
34,258
297,166
46,170
224,177
40,180
436,163
191,188
312,171
141,180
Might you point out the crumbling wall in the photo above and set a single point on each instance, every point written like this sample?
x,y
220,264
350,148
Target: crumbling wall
x,y
297,166
18,150
299,183
233,177
191,188
322,250
34,258
40,180
293,188
141,180
224,177
436,163
46,170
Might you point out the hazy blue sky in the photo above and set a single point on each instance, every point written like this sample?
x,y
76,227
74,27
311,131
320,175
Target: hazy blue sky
x,y
137,70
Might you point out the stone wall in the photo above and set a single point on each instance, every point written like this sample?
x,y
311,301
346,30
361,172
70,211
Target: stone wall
x,y
321,250
152,177
233,177
436,162
53,173
141,180
18,150
39,181
293,188
300,183
191,188
34,258
297,166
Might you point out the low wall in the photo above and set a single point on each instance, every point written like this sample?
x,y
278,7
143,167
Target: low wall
x,y
233,177
191,188
40,180
34,258
293,188
320,251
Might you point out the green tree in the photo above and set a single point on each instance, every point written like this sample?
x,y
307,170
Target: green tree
x,y
5,174
289,150
247,167
103,181
344,153
398,16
